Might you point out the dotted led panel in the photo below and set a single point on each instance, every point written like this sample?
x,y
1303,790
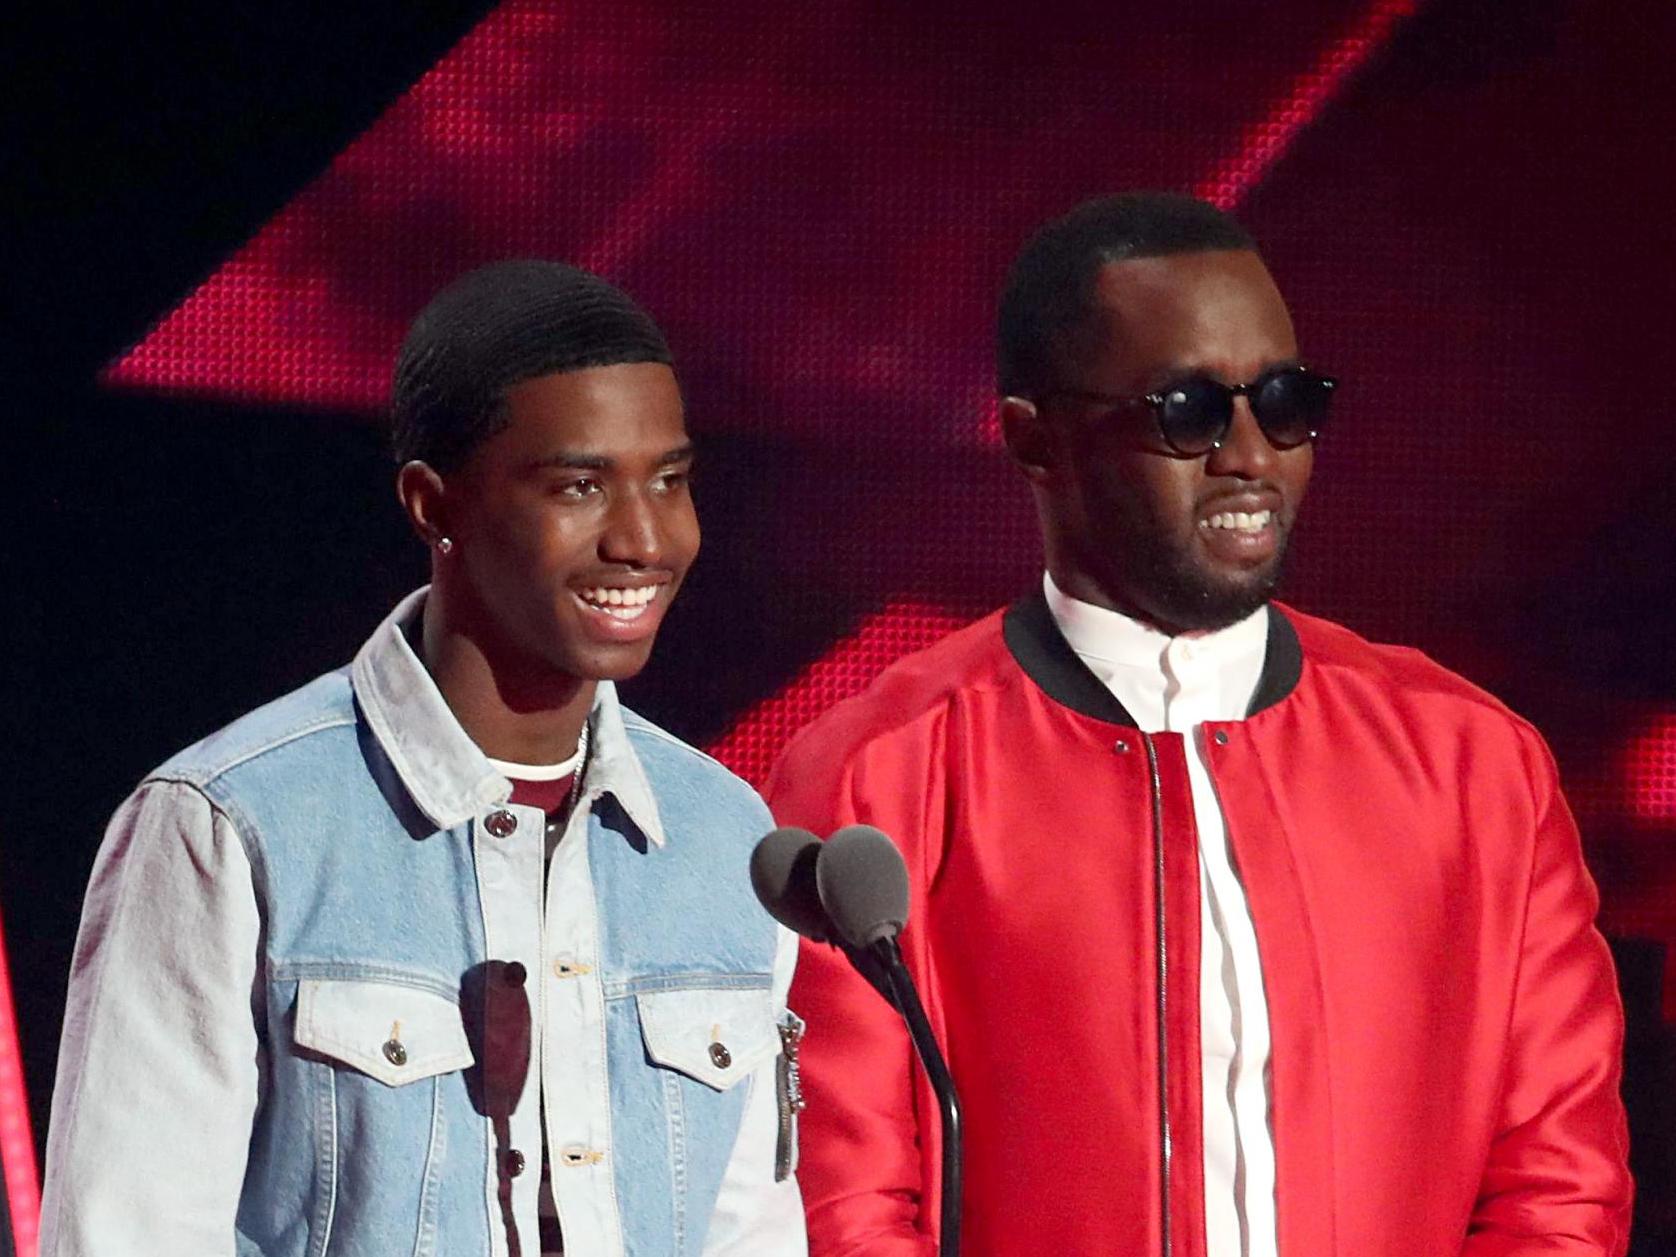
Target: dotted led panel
x,y
819,203
750,746
839,178
17,1147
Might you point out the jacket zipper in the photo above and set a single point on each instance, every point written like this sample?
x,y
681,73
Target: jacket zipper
x,y
1163,975
788,1093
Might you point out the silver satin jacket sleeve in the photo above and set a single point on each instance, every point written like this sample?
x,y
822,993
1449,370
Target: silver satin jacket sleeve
x,y
159,1067
756,1216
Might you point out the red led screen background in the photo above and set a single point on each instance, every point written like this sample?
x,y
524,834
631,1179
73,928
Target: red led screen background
x,y
818,205
19,1189
1462,199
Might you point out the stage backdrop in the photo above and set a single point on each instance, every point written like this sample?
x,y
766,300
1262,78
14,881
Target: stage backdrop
x,y
818,203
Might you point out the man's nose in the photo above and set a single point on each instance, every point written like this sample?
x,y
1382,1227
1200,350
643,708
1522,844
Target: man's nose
x,y
1245,451
633,532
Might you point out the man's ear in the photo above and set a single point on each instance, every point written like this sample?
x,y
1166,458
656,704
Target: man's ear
x,y
424,501
1029,437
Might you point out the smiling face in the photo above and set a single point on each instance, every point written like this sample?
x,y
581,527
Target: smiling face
x,y
1183,543
573,526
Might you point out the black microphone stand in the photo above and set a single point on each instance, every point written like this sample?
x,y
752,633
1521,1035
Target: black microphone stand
x,y
889,956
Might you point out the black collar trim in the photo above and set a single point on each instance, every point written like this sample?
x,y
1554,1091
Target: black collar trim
x,y
1033,637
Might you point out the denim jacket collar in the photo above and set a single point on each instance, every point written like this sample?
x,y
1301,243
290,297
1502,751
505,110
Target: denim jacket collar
x,y
447,775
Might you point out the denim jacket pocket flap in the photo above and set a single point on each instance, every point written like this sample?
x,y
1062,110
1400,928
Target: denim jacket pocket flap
x,y
714,1035
388,1031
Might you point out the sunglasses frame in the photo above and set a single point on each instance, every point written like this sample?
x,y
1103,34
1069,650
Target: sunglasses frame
x,y
1158,400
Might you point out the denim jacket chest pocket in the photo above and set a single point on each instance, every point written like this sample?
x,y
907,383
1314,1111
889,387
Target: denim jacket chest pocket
x,y
394,1033
715,1036
706,1048
381,1085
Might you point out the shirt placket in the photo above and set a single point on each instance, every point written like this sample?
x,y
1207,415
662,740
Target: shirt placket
x,y
1235,1096
507,850
573,1057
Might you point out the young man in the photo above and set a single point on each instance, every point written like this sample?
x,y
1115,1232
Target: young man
x,y
1243,935
448,952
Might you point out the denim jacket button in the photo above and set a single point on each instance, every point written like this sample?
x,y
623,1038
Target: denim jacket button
x,y
394,1052
720,1057
514,1163
500,823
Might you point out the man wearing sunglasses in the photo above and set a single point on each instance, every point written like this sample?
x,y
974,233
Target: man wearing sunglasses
x,y
1244,936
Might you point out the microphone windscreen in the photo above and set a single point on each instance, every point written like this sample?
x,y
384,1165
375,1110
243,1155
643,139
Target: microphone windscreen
x,y
863,884
783,876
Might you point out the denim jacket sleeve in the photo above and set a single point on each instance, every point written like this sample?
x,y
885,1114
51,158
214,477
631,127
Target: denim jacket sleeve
x,y
158,1070
755,1215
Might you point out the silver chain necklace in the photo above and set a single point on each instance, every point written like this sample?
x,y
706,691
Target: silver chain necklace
x,y
555,826
581,768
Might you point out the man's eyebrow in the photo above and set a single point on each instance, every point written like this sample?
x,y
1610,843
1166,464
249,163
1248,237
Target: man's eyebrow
x,y
575,461
570,459
1166,376
680,454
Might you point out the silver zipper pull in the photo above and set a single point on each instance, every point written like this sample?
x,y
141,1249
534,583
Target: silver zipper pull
x,y
788,1092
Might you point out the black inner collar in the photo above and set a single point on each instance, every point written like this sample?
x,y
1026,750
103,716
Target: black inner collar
x,y
1033,637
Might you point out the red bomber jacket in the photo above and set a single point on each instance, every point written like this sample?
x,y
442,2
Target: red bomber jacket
x,y
1446,1029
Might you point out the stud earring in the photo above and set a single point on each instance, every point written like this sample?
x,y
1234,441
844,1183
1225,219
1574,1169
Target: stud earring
x,y
445,546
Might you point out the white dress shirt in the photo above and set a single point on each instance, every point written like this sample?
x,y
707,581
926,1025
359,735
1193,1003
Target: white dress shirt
x,y
1173,684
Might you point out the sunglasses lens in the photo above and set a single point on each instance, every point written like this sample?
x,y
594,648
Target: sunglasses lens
x,y
1291,405
1195,415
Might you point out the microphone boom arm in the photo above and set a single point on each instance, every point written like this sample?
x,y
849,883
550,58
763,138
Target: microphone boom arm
x,y
889,956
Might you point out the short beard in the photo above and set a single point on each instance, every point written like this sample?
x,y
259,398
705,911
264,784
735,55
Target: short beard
x,y
1186,598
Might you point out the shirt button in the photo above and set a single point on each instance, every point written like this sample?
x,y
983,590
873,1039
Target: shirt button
x,y
720,1057
1220,737
1121,746
514,1163
500,823
394,1052
514,974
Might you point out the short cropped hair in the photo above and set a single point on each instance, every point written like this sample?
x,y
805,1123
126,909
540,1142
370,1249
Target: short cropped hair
x,y
496,327
1050,286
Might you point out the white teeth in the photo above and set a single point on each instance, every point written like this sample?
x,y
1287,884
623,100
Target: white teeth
x,y
1239,521
625,604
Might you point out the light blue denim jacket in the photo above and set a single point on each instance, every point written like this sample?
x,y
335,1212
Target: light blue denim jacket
x,y
323,1001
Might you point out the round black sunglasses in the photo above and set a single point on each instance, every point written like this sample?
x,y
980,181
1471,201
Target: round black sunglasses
x,y
1194,414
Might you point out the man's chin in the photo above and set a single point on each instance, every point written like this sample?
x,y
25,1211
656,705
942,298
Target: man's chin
x,y
610,663
1205,602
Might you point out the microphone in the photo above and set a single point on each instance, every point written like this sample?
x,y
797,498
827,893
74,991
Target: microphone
x,y
863,887
783,876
